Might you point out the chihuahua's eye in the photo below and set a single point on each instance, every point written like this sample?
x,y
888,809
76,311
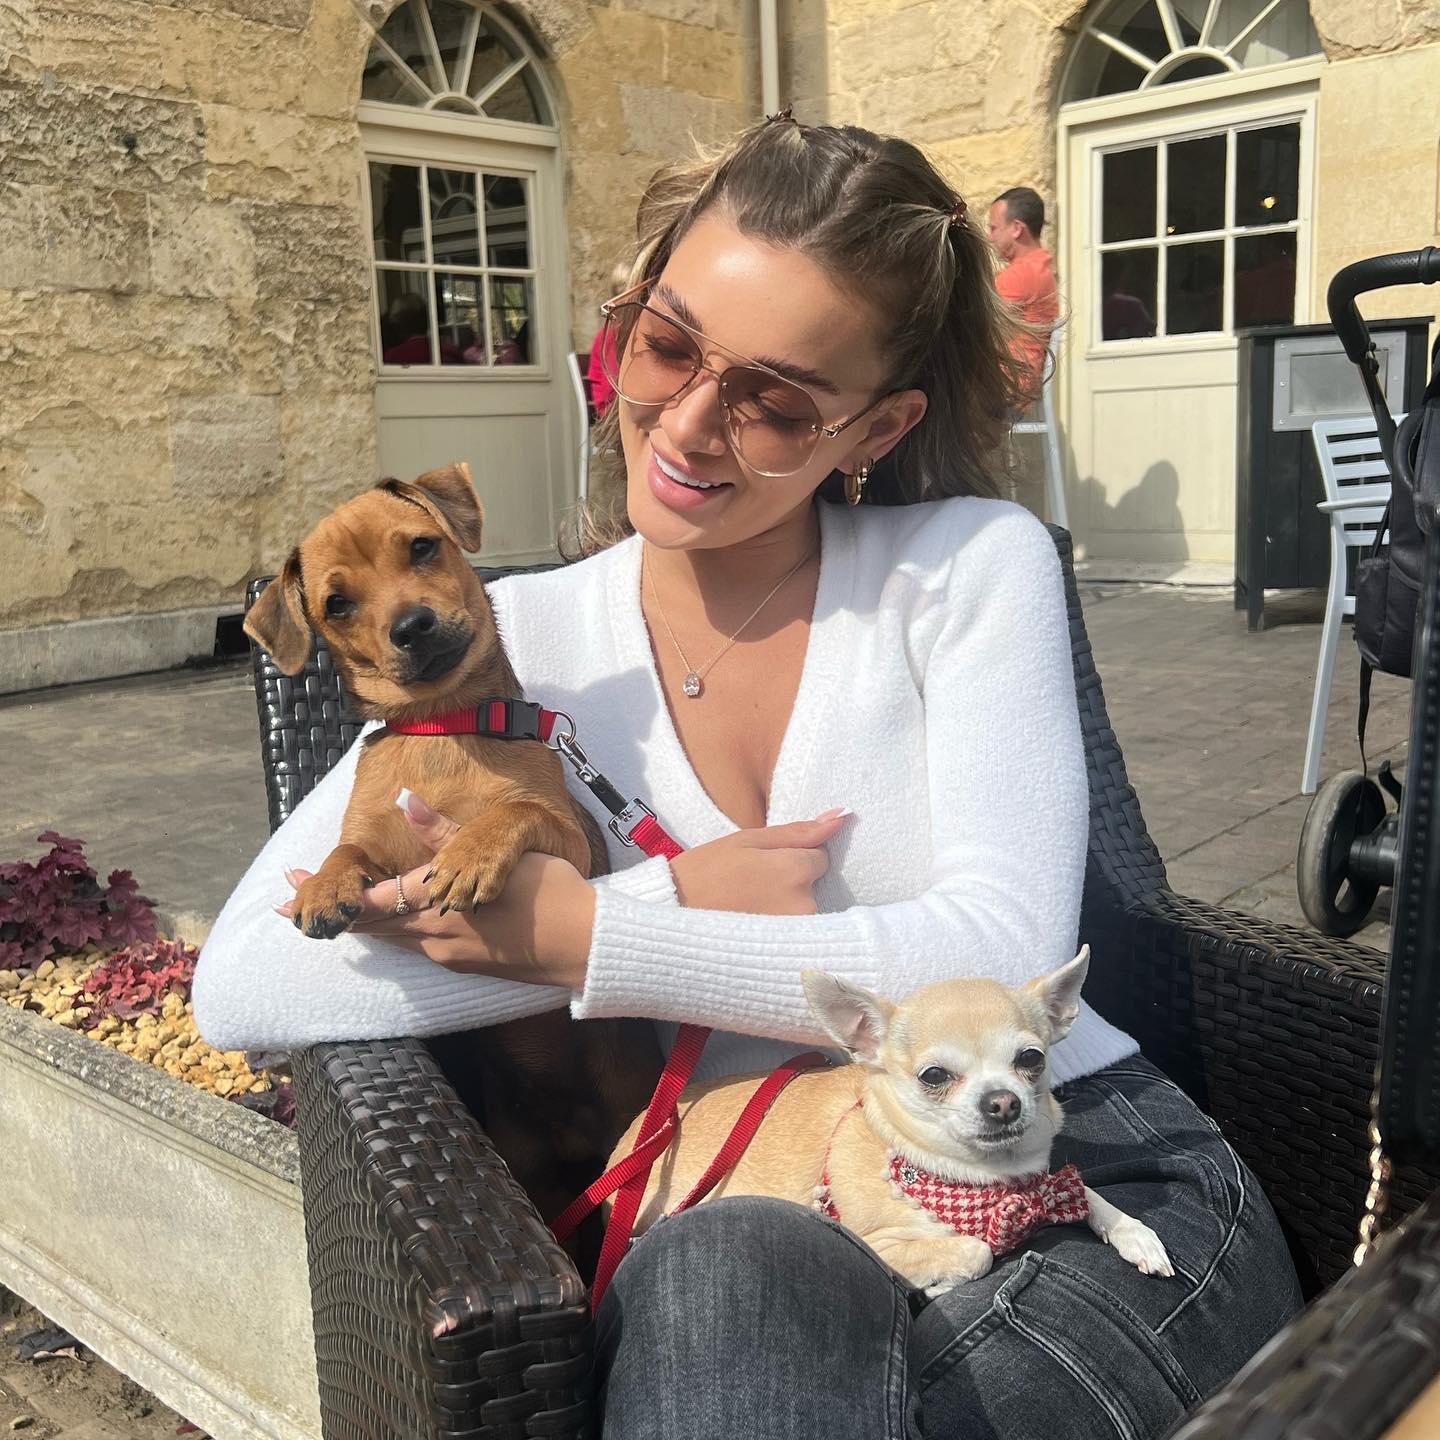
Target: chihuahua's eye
x,y
422,548
1030,1059
935,1077
337,607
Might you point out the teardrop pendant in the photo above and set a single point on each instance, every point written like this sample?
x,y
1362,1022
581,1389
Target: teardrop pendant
x,y
692,685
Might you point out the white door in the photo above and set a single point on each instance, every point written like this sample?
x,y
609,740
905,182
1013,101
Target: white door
x,y
469,313
1183,226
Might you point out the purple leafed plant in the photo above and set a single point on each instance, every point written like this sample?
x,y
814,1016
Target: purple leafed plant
x,y
56,904
134,981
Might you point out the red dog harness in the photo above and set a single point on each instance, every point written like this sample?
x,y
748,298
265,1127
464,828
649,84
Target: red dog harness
x,y
633,823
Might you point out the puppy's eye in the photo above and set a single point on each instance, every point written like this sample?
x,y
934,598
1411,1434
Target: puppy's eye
x,y
1030,1059
422,548
337,607
935,1077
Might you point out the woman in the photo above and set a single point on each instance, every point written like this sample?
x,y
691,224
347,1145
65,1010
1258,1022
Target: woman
x,y
860,719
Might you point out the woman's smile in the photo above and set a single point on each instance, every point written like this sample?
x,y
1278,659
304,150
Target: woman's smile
x,y
681,489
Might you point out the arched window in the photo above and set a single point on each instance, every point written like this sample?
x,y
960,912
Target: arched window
x,y
1139,44
451,55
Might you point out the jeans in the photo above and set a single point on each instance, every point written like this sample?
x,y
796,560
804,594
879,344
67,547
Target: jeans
x,y
750,1318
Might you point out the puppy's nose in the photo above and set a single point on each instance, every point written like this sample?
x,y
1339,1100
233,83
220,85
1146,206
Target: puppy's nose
x,y
1000,1106
414,628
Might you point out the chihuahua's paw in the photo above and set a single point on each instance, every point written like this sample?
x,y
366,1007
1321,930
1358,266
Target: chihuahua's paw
x,y
1141,1246
325,906
467,874
958,1260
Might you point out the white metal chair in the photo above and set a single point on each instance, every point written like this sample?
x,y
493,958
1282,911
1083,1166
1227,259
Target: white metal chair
x,y
1047,425
582,420
1357,489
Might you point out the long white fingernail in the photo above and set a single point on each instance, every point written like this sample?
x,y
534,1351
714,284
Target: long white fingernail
x,y
838,812
402,800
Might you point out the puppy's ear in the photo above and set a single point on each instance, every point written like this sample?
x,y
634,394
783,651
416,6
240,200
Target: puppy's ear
x,y
276,621
449,495
1059,993
854,1017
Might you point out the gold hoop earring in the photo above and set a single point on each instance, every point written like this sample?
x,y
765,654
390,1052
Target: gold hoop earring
x,y
855,484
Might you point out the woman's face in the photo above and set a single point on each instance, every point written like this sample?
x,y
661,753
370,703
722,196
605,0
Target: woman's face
x,y
776,306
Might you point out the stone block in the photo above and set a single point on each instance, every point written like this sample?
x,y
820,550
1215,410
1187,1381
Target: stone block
x,y
283,14
1356,27
280,156
51,133
927,108
310,252
55,237
200,249
112,41
712,14
225,447
890,48
704,62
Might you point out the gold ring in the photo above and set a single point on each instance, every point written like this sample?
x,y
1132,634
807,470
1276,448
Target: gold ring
x,y
402,905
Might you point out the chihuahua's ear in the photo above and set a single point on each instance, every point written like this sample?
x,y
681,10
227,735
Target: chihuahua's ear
x,y
850,1014
1059,993
276,621
449,495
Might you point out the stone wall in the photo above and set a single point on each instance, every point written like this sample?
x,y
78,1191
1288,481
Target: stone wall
x,y
185,368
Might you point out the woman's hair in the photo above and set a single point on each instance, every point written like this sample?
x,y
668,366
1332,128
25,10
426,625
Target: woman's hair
x,y
877,216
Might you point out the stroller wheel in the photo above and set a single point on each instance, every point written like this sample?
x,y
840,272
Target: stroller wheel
x,y
1346,807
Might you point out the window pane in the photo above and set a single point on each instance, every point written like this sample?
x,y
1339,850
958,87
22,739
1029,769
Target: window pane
x,y
510,309
1196,69
390,83
404,317
1144,32
1195,186
516,99
1127,283
450,20
395,212
402,32
492,58
454,221
1127,210
460,311
1267,175
1265,279
1194,288
507,222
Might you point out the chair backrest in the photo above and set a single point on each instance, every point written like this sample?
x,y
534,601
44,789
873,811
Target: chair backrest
x,y
576,365
306,725
1357,487
1044,422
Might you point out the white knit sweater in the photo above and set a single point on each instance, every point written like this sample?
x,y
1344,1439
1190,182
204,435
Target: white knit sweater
x,y
936,701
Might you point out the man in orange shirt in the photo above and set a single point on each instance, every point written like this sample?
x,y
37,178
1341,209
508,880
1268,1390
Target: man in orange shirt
x,y
1027,275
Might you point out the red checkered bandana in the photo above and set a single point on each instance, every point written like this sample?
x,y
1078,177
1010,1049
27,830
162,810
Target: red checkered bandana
x,y
1004,1215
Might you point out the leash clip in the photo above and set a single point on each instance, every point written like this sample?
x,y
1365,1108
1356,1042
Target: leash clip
x,y
624,825
571,752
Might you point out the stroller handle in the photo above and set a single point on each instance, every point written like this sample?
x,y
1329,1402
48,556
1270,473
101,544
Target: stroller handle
x,y
1408,267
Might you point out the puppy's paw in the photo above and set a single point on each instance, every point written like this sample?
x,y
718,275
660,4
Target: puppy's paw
x,y
325,906
467,872
1141,1246
936,1267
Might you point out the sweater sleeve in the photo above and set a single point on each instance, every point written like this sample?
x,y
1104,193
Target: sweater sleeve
x,y
1007,817
261,984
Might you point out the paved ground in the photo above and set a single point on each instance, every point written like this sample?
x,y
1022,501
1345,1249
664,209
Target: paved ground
x,y
162,775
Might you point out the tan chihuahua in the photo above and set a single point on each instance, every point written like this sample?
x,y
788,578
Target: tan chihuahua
x,y
933,1146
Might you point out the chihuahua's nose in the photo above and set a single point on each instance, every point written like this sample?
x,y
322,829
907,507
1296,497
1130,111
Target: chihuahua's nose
x,y
1000,1106
414,629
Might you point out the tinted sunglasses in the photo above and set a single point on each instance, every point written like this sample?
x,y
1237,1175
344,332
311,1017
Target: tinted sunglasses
x,y
650,359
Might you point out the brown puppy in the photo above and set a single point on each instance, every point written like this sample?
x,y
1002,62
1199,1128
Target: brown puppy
x,y
384,581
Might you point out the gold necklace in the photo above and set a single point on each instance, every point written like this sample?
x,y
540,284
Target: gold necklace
x,y
694,682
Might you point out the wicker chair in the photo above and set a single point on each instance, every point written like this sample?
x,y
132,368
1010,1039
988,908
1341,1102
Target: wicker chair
x,y
443,1308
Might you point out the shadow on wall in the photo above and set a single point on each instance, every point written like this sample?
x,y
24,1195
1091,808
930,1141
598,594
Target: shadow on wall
x,y
1150,509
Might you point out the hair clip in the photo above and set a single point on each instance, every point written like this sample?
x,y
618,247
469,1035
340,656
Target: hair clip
x,y
781,116
958,214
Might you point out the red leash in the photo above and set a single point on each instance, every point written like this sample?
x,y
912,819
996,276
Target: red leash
x,y
633,823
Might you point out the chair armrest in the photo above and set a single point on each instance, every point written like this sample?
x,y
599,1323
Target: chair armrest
x,y
1351,502
1349,1365
442,1304
1275,1032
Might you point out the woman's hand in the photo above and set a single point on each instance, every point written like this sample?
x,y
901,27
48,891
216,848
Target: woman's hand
x,y
537,930
770,871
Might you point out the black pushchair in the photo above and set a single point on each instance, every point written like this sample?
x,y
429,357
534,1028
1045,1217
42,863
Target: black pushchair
x,y
1350,841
